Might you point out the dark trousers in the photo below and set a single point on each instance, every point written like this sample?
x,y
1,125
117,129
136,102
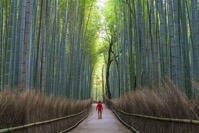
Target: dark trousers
x,y
99,114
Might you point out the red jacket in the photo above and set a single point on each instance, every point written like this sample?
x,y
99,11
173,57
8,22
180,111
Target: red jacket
x,y
99,107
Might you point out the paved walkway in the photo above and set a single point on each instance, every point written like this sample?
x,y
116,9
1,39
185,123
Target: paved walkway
x,y
108,124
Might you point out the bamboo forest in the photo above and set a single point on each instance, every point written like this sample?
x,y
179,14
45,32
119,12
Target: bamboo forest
x,y
59,59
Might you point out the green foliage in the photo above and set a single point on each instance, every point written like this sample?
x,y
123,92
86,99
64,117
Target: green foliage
x,y
109,12
92,27
62,50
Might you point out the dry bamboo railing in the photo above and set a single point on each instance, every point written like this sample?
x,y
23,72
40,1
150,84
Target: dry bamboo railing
x,y
127,125
5,130
119,112
188,121
70,128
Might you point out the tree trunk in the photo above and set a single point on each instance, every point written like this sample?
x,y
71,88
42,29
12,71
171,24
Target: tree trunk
x,y
43,60
108,69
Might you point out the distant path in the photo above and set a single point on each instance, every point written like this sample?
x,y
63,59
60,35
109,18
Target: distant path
x,y
108,124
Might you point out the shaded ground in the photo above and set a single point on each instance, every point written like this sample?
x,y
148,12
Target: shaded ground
x,y
108,124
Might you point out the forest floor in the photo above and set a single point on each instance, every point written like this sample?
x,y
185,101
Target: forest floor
x,y
108,124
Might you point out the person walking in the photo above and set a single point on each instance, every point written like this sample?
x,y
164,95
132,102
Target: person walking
x,y
99,108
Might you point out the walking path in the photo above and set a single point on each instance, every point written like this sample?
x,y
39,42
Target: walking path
x,y
108,124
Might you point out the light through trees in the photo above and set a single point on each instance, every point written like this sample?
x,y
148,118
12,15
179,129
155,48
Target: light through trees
x,y
154,40
48,45
61,47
